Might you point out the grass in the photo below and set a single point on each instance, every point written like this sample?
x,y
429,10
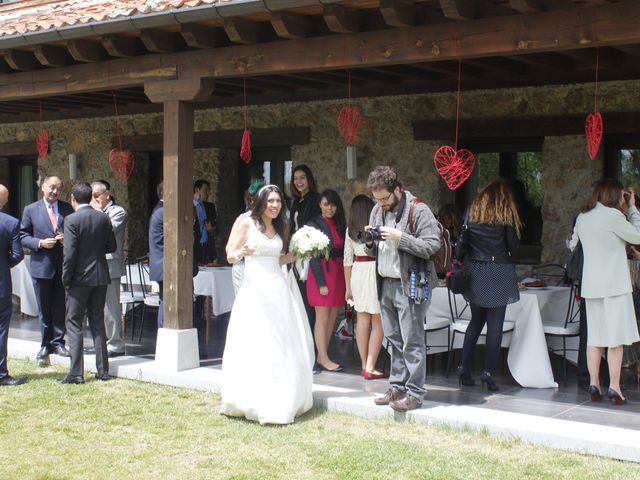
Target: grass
x,y
124,429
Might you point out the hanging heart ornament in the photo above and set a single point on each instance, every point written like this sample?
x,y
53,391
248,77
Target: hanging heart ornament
x,y
42,142
122,163
349,122
454,166
593,131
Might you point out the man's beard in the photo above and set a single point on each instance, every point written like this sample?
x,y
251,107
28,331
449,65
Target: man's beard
x,y
390,207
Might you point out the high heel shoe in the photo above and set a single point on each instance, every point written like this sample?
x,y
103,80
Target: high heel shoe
x,y
615,397
489,381
594,391
464,378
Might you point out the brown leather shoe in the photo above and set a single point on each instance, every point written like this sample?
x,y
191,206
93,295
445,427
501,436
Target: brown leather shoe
x,y
408,402
392,394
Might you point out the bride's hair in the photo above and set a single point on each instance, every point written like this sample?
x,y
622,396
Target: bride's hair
x,y
280,222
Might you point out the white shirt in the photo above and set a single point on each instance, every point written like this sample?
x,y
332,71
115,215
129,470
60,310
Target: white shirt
x,y
388,260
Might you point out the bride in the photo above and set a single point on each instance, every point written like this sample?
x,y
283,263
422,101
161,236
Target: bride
x,y
268,356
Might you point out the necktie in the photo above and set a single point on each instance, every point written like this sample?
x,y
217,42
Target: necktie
x,y
202,216
53,218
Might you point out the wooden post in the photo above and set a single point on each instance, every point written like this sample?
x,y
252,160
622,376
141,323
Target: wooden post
x,y
177,95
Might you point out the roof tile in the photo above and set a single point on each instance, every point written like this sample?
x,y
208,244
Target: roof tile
x,y
40,15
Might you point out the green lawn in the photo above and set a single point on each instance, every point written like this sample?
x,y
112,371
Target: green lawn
x,y
124,429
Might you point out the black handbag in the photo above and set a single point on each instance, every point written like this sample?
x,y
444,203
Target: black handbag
x,y
574,265
458,278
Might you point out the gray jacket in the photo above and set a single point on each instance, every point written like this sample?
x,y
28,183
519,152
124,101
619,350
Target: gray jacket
x,y
115,260
415,248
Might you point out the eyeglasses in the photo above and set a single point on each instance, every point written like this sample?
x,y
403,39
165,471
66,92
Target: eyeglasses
x,y
383,200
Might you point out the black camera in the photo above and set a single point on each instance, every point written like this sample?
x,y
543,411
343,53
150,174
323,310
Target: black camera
x,y
369,236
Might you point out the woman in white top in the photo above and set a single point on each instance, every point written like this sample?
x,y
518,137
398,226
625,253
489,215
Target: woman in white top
x,y
360,280
606,224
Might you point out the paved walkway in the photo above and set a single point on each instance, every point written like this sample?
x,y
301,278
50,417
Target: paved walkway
x,y
559,418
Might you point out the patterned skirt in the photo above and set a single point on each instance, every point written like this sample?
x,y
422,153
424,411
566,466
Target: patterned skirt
x,y
491,284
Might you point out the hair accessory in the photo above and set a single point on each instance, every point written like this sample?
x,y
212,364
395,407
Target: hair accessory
x,y
267,186
253,188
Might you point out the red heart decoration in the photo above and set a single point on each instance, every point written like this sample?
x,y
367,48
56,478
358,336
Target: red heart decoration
x,y
454,166
42,142
593,131
245,148
349,121
122,162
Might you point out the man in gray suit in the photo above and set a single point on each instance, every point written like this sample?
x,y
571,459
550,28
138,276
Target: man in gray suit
x,y
88,238
103,201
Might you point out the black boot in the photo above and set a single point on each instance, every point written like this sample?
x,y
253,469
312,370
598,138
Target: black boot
x,y
464,377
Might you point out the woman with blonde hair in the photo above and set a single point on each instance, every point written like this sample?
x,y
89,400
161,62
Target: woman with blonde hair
x,y
491,236
607,223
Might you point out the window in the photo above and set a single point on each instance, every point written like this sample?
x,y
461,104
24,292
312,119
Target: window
x,y
622,160
519,162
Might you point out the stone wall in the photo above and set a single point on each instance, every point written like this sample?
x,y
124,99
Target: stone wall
x,y
386,138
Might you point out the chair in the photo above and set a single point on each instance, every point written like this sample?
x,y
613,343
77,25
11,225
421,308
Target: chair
x,y
151,300
459,324
129,297
550,273
567,327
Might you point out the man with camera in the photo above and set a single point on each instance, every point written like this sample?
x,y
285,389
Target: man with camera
x,y
403,235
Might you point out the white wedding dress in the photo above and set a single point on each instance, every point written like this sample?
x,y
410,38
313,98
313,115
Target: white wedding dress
x,y
268,356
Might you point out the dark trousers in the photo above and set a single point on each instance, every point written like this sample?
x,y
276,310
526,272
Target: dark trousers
x,y
583,371
494,319
89,301
311,311
160,306
5,318
50,297
198,319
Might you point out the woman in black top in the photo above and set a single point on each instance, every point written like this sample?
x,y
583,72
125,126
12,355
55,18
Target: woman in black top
x,y
305,206
492,234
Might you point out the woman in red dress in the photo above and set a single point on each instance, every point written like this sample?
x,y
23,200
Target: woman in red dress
x,y
325,283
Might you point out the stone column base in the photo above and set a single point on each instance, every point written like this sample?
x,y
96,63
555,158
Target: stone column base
x,y
177,350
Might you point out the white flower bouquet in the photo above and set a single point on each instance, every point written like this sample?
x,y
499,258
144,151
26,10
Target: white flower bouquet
x,y
306,243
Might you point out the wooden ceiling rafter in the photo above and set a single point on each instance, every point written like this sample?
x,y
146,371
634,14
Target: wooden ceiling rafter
x,y
53,55
402,13
472,9
86,51
21,60
244,31
292,25
159,41
119,46
341,19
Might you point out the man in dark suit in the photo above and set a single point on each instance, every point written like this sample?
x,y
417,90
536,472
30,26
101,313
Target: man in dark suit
x,y
156,248
41,232
206,223
11,255
85,275
156,256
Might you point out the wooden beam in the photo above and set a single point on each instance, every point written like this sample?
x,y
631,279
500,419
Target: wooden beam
x,y
52,56
178,213
544,32
192,90
121,47
18,149
530,6
291,25
616,123
260,138
86,51
241,30
401,13
200,36
340,19
21,60
469,9
158,41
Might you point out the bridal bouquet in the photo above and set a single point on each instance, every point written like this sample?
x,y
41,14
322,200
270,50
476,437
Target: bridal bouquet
x,y
306,243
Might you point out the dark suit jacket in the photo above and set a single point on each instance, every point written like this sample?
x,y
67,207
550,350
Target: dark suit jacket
x,y
11,249
88,237
156,246
156,243
45,262
315,264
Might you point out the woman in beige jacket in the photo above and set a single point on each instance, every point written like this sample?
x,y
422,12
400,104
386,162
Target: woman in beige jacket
x,y
608,221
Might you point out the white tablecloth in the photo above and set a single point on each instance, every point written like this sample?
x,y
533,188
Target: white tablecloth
x,y
215,282
528,357
23,287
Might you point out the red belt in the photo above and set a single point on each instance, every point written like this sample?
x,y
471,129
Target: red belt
x,y
363,258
